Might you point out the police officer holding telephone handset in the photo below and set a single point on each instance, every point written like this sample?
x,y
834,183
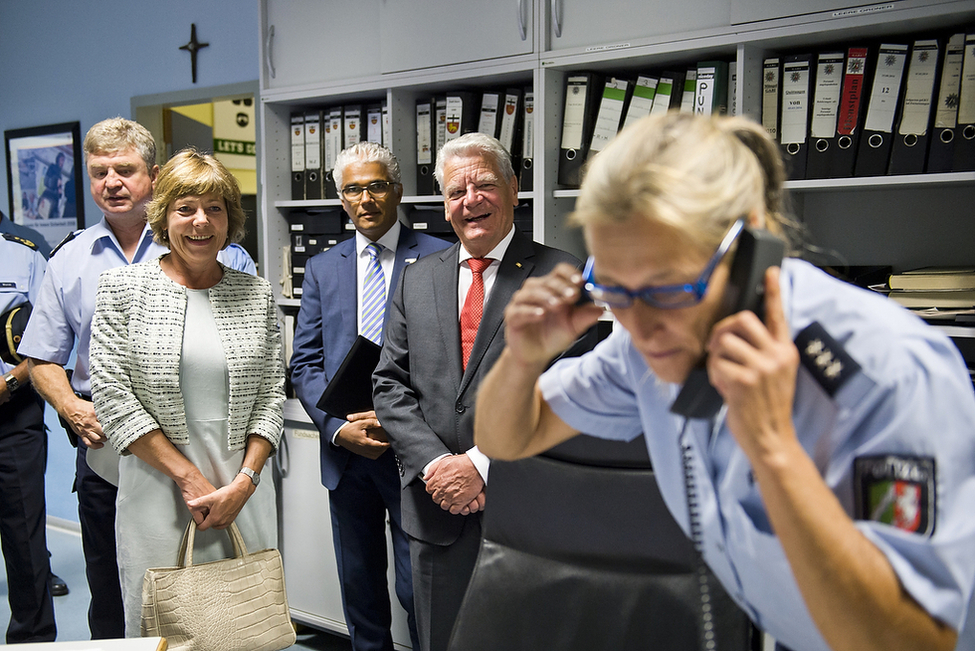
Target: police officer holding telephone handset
x,y
834,486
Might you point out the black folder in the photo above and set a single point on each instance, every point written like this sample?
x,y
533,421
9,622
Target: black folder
x,y
771,93
583,92
941,151
614,100
676,95
825,115
463,114
877,139
353,116
849,122
297,156
964,160
509,127
350,389
526,181
797,74
313,155
425,152
489,120
333,130
910,149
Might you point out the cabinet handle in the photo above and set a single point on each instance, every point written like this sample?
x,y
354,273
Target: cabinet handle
x,y
522,27
267,51
557,17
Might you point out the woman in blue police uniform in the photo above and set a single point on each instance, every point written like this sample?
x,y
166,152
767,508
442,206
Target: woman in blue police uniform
x,y
23,455
834,489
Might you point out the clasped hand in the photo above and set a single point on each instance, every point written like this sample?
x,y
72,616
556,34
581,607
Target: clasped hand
x,y
216,507
363,435
454,483
85,424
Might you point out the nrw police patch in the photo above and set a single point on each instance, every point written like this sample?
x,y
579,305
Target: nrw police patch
x,y
895,490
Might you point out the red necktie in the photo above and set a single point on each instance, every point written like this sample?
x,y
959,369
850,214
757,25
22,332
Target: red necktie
x,y
470,316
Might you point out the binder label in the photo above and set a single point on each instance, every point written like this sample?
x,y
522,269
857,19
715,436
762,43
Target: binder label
x,y
661,100
829,71
966,98
795,101
704,90
488,124
610,114
509,118
455,111
856,65
313,142
424,152
353,125
575,112
920,84
439,123
374,124
528,126
770,97
886,87
946,112
690,88
642,101
297,143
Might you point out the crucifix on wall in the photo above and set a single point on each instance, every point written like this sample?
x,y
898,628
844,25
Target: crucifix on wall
x,y
193,47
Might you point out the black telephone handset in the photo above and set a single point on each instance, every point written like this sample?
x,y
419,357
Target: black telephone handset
x,y
757,251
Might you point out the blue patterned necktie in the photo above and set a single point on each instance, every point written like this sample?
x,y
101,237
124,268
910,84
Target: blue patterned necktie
x,y
373,296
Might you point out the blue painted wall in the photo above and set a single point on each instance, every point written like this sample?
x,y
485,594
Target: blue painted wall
x,y
68,60
83,60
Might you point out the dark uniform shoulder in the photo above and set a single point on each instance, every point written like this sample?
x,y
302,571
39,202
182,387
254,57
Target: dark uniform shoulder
x,y
70,236
20,240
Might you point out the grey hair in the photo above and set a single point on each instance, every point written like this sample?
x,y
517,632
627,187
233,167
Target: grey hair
x,y
365,152
475,144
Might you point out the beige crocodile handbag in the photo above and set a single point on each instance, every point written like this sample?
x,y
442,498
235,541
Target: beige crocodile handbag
x,y
233,604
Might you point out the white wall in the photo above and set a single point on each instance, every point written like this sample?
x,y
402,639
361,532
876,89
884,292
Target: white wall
x,y
68,60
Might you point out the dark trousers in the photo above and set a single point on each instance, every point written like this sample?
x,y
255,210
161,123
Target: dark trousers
x,y
23,519
367,492
440,578
96,511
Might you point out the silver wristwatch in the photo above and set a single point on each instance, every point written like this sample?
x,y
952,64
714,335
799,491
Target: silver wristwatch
x,y
12,383
255,476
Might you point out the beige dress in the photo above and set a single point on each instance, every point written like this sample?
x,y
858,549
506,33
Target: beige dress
x,y
151,514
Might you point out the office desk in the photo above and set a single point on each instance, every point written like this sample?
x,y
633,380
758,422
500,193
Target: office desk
x,y
127,644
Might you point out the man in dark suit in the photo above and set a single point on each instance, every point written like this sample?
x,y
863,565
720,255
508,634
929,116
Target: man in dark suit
x,y
337,304
425,384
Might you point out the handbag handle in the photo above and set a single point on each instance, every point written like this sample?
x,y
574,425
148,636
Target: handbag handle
x,y
185,556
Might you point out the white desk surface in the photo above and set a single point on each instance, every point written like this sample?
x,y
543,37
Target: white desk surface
x,y
129,644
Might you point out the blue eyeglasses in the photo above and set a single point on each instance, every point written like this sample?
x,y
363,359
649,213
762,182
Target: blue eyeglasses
x,y
662,296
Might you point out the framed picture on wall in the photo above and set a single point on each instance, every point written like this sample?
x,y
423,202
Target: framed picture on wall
x,y
44,179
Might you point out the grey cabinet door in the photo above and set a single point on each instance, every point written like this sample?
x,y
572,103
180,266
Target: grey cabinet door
x,y
314,41
584,23
426,33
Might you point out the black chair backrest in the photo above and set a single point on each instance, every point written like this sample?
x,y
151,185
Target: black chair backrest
x,y
579,552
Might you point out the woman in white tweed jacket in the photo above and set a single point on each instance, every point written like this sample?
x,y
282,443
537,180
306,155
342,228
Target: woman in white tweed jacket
x,y
188,382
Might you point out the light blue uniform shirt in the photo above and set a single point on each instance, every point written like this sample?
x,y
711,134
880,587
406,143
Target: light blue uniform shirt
x,y
21,273
66,302
911,398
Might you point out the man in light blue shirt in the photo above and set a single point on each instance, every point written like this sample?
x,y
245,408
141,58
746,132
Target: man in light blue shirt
x,y
120,157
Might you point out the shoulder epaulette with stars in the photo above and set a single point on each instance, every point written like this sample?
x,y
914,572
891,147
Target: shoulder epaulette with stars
x,y
21,240
825,358
67,238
